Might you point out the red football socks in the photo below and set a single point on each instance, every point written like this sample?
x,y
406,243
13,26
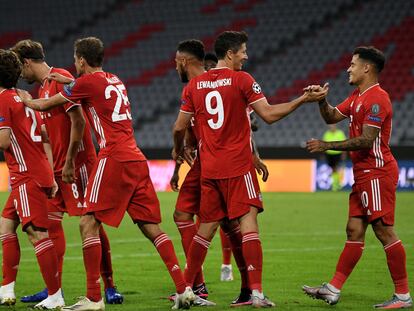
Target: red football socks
x,y
252,253
349,258
57,235
188,230
48,263
11,257
225,248
92,253
106,261
235,238
165,248
195,258
396,260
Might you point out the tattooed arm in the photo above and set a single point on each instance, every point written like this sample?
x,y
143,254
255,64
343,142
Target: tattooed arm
x,y
365,141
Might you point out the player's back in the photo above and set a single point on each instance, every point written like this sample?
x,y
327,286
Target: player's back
x,y
220,98
25,157
107,106
58,125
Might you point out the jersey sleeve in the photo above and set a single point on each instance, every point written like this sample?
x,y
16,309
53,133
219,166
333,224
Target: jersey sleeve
x,y
250,88
344,108
76,91
186,102
375,111
60,88
5,115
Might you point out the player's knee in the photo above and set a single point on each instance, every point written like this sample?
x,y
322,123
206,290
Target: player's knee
x,y
385,234
151,231
7,226
207,230
182,216
36,234
88,226
354,233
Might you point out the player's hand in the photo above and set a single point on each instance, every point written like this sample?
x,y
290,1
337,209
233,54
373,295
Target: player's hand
x,y
174,182
59,78
176,156
24,95
54,189
189,155
261,168
315,145
68,172
315,93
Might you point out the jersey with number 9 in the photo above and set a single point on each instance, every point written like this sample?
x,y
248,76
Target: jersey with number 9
x,y
25,157
106,103
219,99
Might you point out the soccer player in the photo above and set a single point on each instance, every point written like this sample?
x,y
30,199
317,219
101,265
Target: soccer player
x,y
218,100
120,179
73,155
372,200
28,157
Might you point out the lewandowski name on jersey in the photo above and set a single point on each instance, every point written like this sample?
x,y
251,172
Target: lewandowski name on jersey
x,y
213,84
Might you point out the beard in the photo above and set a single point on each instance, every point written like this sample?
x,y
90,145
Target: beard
x,y
184,77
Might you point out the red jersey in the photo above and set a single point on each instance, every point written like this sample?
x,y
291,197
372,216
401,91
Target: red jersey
x,y
219,99
372,107
106,103
58,126
25,157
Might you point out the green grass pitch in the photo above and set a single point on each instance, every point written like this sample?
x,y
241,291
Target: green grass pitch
x,y
302,237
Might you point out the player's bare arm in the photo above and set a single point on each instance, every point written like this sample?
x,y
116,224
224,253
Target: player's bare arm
x,y
49,155
4,138
41,104
329,113
175,177
272,113
364,141
261,168
76,133
180,127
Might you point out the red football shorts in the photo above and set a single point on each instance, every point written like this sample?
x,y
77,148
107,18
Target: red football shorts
x,y
231,197
374,199
27,204
188,199
115,187
70,197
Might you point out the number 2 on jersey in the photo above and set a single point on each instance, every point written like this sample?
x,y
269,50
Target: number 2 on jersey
x,y
31,114
121,98
218,110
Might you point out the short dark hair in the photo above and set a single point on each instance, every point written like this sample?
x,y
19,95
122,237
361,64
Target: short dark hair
x,y
372,55
91,49
29,49
229,40
211,56
192,46
10,68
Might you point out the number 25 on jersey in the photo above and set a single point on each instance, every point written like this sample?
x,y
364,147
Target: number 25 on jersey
x,y
121,98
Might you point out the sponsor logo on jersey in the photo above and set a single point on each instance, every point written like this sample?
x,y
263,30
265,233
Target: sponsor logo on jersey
x,y
375,109
256,88
17,99
374,119
68,88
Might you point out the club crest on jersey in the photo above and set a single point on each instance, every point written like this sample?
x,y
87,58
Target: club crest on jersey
x,y
2,119
375,109
256,88
358,107
68,88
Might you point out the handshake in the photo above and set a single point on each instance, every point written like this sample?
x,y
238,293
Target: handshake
x,y
315,93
